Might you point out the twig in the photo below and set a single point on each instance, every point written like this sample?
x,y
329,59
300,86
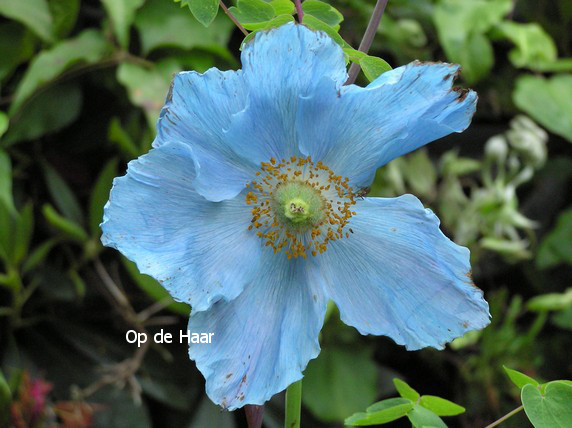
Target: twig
x,y
505,417
367,38
299,10
233,18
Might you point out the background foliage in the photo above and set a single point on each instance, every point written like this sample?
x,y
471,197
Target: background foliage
x,y
81,85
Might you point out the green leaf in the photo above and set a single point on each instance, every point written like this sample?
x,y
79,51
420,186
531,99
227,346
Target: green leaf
x,y
556,247
420,417
322,11
64,14
386,404
38,255
119,136
35,14
405,390
161,24
153,289
252,13
6,181
89,47
204,11
5,401
122,13
100,196
380,417
518,378
353,54
148,87
315,24
551,410
461,27
533,45
16,46
282,7
563,319
339,383
70,229
441,406
373,67
547,101
51,110
63,196
551,301
23,230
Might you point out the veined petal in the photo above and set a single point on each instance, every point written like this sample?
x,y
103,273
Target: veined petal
x,y
264,338
397,275
280,66
197,112
356,130
200,251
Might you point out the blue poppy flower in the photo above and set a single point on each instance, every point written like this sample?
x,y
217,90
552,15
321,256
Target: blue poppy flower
x,y
248,209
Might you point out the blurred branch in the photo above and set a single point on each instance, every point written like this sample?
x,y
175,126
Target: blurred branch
x,y
254,415
233,18
505,417
367,38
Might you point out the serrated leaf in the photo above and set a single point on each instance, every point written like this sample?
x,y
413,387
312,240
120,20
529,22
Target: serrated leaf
x,y
204,11
373,67
35,14
322,11
440,406
274,23
518,378
89,47
122,13
547,101
380,417
551,410
100,195
420,417
405,390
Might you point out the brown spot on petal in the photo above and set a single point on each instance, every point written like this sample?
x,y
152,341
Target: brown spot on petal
x,y
462,94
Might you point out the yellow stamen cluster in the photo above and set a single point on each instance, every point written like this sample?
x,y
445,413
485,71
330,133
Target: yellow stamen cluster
x,y
285,185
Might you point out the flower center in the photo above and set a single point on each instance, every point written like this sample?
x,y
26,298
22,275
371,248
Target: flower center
x,y
299,206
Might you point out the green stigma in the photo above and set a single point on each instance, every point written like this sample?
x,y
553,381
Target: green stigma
x,y
298,205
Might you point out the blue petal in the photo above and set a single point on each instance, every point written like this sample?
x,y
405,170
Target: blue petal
x,y
356,130
264,338
279,66
199,250
198,110
397,275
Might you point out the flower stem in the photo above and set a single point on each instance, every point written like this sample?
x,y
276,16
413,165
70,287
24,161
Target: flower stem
x,y
254,415
367,38
293,405
233,18
299,10
505,417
